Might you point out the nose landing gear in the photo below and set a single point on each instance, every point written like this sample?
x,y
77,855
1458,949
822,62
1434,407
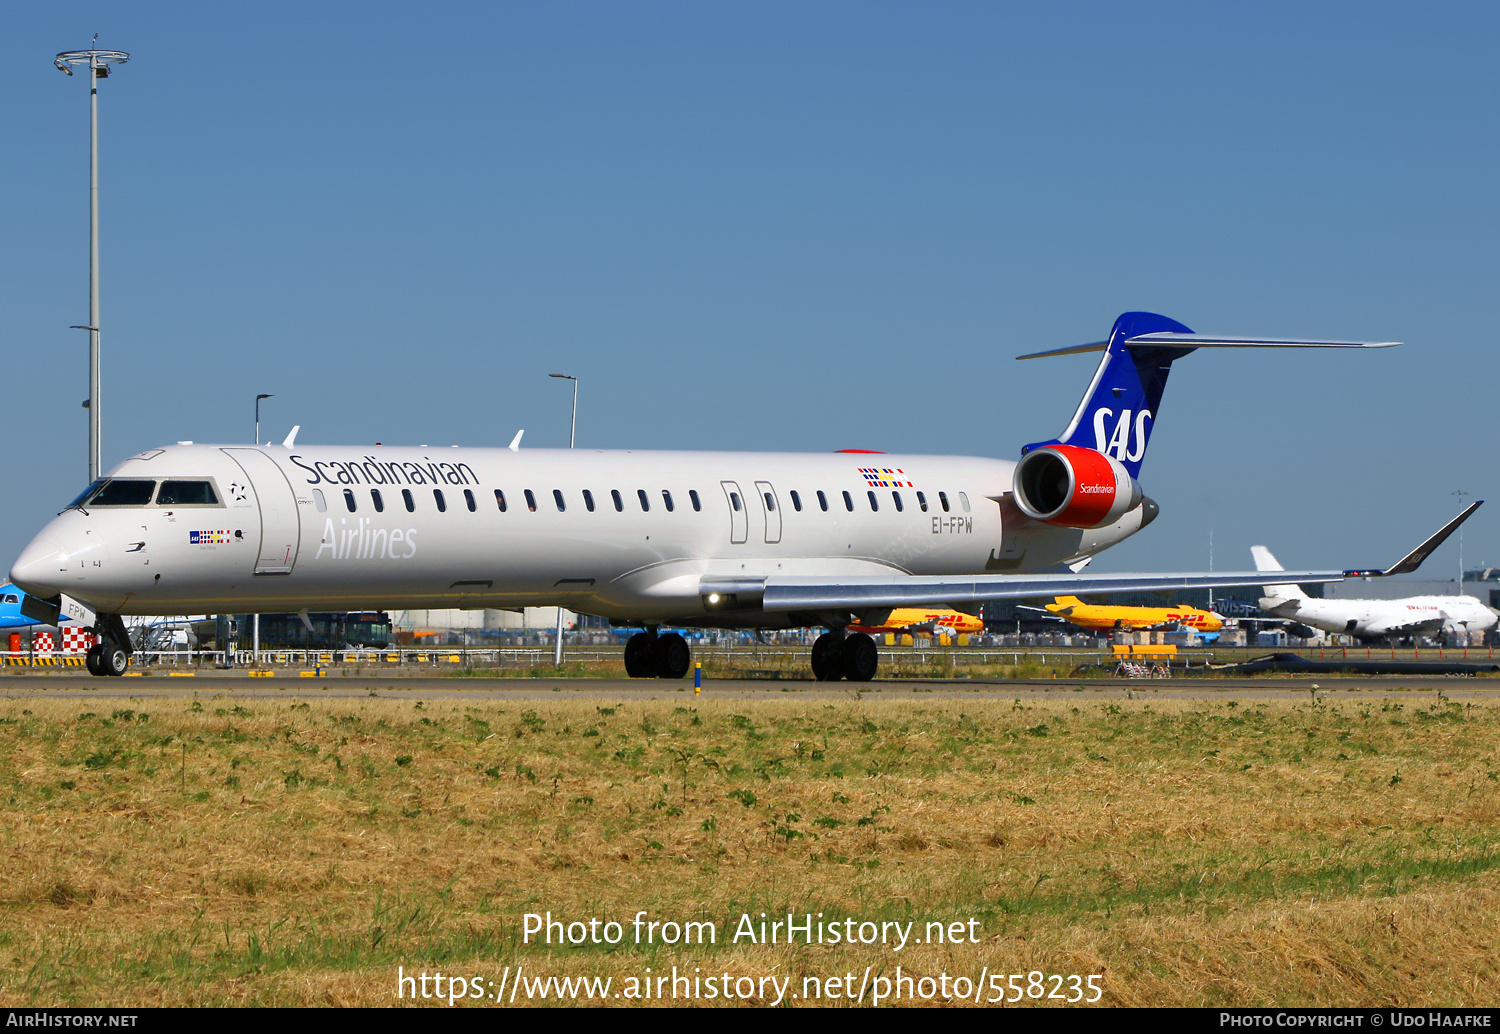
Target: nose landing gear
x,y
110,656
106,658
648,655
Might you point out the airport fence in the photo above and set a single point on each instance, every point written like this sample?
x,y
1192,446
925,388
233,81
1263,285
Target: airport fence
x,y
753,656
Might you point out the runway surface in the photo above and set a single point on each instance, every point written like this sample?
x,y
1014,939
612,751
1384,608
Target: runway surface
x,y
418,687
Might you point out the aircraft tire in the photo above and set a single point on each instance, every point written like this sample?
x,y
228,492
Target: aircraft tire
x,y
113,660
91,660
638,651
670,656
861,658
828,658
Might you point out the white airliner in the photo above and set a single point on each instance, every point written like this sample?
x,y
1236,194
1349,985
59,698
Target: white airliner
x,y
1376,619
746,540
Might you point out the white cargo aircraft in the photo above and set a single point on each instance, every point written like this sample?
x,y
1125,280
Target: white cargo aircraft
x,y
1378,619
743,540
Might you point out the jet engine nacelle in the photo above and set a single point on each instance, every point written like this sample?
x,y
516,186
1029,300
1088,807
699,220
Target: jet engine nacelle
x,y
1074,487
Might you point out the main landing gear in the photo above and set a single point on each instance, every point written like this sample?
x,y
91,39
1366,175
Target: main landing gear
x,y
652,656
837,656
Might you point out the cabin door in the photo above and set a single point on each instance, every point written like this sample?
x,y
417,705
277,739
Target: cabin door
x,y
771,507
280,527
739,516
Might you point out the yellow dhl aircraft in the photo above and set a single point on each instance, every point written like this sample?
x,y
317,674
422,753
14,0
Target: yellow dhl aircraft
x,y
943,621
1102,618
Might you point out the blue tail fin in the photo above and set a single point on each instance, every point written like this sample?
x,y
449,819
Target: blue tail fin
x,y
1119,410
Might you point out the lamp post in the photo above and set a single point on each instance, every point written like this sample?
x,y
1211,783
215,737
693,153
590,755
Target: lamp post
x,y
572,431
97,62
255,618
257,417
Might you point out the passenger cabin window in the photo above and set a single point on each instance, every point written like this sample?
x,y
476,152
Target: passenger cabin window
x,y
822,501
500,500
411,504
666,500
896,498
796,501
874,503
734,501
186,493
943,498
530,500
437,497
697,504
922,501
122,493
469,500
319,501
770,502
848,502
379,502
558,499
963,500
349,499
588,500
640,493
614,494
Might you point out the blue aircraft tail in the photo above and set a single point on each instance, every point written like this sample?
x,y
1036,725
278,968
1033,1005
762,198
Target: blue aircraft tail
x,y
1118,412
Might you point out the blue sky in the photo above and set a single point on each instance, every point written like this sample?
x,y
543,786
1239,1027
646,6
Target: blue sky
x,y
775,226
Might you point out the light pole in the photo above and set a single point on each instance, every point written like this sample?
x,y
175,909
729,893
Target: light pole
x,y
572,431
255,618
257,417
97,62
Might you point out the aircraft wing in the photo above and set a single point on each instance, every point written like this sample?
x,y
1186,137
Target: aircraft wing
x,y
1413,560
788,593
1428,626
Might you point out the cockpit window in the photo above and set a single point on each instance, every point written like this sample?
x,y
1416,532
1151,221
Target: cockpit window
x,y
186,493
94,487
11,597
119,492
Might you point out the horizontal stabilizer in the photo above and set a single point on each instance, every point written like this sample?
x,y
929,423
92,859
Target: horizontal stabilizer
x,y
1413,560
1169,339
1226,341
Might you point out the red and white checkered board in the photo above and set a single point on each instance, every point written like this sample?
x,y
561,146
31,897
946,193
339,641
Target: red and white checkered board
x,y
41,642
76,640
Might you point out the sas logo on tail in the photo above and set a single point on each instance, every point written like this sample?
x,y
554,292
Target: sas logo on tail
x,y
1118,444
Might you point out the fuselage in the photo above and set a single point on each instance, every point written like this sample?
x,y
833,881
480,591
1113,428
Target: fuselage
x,y
1102,618
1377,619
929,620
623,534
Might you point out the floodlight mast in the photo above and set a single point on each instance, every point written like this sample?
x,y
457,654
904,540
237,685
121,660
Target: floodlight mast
x,y
97,62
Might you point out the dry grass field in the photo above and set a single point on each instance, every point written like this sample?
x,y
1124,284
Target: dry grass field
x,y
214,853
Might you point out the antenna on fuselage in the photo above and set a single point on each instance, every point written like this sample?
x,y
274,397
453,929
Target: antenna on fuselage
x,y
292,438
515,443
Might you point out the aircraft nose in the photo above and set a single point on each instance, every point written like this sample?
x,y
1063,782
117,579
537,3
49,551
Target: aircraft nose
x,y
39,568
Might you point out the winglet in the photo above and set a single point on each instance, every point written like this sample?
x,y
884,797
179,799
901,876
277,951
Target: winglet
x,y
1413,560
515,443
291,439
